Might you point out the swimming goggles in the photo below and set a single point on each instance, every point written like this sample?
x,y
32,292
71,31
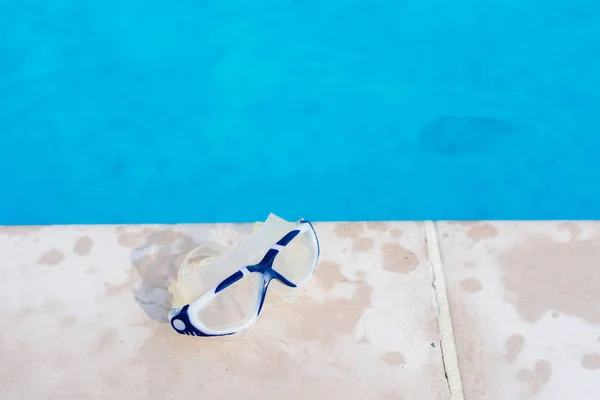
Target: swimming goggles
x,y
224,294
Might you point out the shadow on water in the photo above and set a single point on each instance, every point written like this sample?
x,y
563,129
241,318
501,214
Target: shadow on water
x,y
157,260
452,135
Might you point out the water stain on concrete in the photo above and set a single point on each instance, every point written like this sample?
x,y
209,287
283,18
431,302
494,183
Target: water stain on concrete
x,y
348,229
573,229
108,338
83,246
362,245
396,233
328,274
324,322
129,240
133,237
514,346
19,230
377,226
114,289
67,322
481,232
542,275
51,257
396,258
537,377
393,358
471,285
157,260
591,361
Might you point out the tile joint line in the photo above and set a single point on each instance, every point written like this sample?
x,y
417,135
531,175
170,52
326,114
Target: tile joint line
x,y
444,320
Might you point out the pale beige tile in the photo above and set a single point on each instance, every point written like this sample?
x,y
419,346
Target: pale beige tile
x,y
525,304
83,316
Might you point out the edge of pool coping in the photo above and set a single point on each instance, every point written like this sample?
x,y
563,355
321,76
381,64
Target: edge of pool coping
x,y
443,316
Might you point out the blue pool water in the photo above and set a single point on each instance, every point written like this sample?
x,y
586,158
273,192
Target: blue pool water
x,y
200,111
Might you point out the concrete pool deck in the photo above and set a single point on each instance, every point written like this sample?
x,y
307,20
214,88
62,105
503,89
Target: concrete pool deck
x,y
397,310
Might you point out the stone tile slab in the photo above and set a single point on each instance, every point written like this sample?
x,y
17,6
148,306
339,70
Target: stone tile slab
x,y
83,311
525,306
